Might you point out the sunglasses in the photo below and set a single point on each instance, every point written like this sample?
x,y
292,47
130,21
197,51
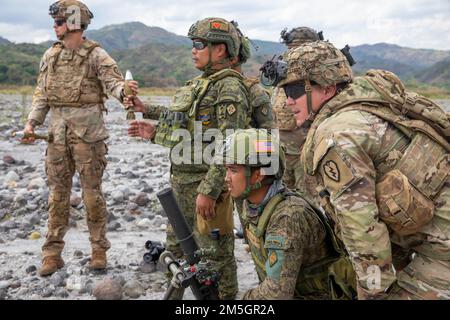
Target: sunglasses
x,y
60,22
199,45
295,90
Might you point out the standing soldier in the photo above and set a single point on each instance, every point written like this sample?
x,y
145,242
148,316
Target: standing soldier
x,y
215,100
380,154
292,244
261,114
291,136
75,76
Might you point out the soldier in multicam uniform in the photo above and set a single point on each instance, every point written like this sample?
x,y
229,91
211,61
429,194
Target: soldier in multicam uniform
x,y
381,157
290,241
75,76
291,136
216,100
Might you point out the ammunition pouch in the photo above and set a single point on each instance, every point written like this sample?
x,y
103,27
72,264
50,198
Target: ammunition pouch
x,y
169,122
401,206
405,194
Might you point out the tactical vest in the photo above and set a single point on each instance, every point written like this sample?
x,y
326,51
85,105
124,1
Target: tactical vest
x,y
405,193
183,111
333,274
70,80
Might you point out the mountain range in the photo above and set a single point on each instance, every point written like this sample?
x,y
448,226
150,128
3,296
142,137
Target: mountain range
x,y
161,58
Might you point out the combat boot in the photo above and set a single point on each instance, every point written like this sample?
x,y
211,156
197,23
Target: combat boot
x,y
98,259
50,265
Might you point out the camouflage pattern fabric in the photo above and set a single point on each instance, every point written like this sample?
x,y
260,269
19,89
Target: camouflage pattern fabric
x,y
349,151
308,62
78,133
223,261
88,159
295,239
224,106
261,111
299,35
217,30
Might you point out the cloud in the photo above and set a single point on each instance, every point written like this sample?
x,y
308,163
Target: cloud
x,y
412,23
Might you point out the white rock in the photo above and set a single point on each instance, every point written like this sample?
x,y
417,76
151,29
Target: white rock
x,y
37,183
74,283
11,176
124,189
144,223
117,196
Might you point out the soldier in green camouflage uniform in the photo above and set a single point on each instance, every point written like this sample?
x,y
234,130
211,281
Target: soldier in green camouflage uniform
x,y
216,100
380,155
261,110
288,238
292,136
74,74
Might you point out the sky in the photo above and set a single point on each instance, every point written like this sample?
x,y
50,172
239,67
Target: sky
x,y
408,23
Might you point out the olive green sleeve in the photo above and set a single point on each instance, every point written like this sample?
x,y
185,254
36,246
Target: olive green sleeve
x,y
152,111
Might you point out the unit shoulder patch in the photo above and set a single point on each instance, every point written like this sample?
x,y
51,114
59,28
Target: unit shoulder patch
x,y
231,109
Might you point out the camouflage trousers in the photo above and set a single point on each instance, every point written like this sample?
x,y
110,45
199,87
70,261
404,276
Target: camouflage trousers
x,y
223,261
88,159
423,278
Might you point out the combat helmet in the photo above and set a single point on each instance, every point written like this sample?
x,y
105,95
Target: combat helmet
x,y
245,51
254,148
217,30
316,62
76,13
300,35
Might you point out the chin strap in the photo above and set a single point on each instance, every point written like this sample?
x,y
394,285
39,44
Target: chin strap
x,y
208,69
308,89
250,187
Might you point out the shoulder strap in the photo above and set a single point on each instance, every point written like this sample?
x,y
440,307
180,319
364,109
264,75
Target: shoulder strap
x,y
219,75
87,47
267,213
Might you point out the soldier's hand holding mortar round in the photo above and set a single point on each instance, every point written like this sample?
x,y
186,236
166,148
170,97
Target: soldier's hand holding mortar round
x,y
133,101
141,129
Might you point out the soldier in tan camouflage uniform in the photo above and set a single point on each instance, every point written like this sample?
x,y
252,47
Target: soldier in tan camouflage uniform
x,y
75,76
381,157
291,136
215,100
289,240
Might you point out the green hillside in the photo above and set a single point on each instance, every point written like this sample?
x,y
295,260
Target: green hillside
x,y
163,59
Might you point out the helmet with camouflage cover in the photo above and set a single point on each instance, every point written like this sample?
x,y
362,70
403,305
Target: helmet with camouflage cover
x,y
300,35
245,51
254,148
217,30
318,62
76,13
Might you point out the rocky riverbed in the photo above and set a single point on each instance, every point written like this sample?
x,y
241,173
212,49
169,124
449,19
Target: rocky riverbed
x,y
136,171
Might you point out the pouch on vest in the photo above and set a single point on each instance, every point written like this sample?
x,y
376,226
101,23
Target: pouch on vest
x,y
401,206
223,219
